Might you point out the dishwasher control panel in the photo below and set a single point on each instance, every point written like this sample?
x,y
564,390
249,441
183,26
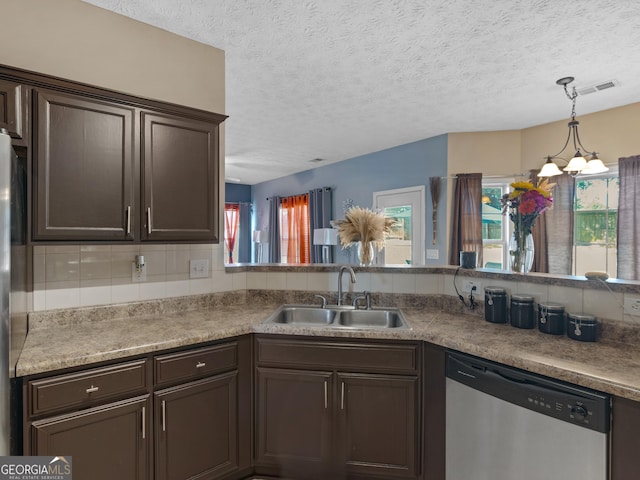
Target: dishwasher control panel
x,y
581,406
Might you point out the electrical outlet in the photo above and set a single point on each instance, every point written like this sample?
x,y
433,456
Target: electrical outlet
x,y
198,268
632,306
433,254
467,286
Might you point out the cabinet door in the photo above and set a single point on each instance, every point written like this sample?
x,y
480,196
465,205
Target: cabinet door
x,y
13,111
379,425
85,169
625,441
293,422
180,178
196,429
107,442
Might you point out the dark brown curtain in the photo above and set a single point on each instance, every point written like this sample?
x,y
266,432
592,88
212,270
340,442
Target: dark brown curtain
x,y
558,225
539,233
466,232
629,218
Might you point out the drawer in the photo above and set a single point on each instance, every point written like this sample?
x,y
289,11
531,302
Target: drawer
x,y
197,363
349,356
87,387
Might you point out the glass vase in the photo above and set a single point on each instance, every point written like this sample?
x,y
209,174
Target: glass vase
x,y
366,254
521,251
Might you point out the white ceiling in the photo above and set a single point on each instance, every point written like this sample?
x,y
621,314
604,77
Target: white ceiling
x,y
334,79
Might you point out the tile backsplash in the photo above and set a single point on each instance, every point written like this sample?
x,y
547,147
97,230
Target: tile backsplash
x,y
67,276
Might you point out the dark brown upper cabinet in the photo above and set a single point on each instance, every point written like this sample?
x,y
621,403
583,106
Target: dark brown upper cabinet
x,y
85,168
14,111
180,178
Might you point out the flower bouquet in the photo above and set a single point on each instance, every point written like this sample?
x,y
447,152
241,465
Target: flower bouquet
x,y
524,204
364,228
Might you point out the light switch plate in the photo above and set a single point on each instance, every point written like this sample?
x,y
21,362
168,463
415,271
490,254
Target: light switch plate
x,y
198,268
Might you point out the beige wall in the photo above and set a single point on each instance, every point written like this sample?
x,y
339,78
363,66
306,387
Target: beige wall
x,y
492,153
77,41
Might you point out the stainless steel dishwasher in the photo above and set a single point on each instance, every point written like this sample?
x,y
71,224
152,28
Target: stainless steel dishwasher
x,y
507,424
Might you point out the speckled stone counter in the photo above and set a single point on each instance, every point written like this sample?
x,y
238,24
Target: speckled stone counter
x,y
85,336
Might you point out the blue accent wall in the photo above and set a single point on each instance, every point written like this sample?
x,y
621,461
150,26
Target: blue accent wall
x,y
357,178
237,193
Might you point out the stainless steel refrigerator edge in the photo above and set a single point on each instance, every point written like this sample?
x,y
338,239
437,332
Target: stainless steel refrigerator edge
x,y
15,289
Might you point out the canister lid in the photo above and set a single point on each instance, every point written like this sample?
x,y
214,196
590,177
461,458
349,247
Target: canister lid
x,y
552,307
495,290
581,318
521,298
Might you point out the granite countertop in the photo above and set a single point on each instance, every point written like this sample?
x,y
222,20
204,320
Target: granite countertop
x,y
608,366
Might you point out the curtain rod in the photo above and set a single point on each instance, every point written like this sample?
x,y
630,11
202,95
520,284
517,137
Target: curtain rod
x,y
510,175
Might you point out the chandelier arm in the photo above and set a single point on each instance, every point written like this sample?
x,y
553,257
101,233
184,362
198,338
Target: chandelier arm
x,y
586,150
563,148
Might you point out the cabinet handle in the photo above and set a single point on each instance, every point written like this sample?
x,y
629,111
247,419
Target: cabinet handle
x,y
164,416
128,220
148,220
200,364
144,422
326,395
342,397
92,389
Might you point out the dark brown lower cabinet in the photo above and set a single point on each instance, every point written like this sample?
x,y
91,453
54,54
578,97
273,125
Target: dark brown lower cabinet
x,y
352,412
625,439
106,442
196,429
378,430
294,422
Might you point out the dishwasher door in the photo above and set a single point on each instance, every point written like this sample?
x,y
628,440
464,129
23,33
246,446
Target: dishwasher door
x,y
506,424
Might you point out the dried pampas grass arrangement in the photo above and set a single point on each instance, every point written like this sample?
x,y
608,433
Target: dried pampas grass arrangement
x,y
364,226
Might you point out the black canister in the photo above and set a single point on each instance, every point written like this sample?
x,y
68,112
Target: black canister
x,y
522,314
495,304
582,327
551,318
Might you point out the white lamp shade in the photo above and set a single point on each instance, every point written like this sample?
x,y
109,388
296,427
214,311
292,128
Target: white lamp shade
x,y
549,169
594,165
259,236
325,236
577,163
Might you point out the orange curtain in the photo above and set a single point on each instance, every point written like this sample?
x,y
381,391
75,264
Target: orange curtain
x,y
295,221
231,222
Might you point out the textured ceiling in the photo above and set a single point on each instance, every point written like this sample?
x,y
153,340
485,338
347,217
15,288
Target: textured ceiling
x,y
334,79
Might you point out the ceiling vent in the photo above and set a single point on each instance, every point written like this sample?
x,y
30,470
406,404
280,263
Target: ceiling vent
x,y
317,160
598,87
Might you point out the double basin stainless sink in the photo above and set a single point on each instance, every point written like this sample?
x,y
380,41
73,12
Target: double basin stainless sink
x,y
338,317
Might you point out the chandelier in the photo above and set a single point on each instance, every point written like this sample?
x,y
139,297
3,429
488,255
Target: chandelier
x,y
578,164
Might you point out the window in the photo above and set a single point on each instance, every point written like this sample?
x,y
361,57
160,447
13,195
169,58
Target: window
x,y
295,234
231,223
595,223
495,226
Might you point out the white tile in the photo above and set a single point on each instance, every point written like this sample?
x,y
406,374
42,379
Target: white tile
x,y
155,262
429,284
50,249
256,280
95,296
152,290
363,282
403,282
39,297
296,281
570,297
125,293
539,292
603,304
147,248
95,264
223,283
276,280
323,282
95,248
239,280
62,298
61,267
39,269
177,288
381,282
199,286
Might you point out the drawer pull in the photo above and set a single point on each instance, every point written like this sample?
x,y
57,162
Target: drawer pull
x,y
149,221
128,229
200,364
342,397
144,422
92,389
326,395
164,416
